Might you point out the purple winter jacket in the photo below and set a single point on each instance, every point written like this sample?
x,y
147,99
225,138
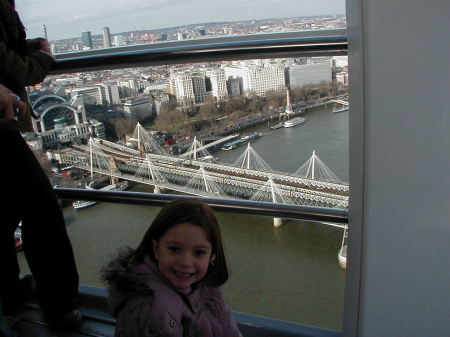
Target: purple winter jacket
x,y
145,304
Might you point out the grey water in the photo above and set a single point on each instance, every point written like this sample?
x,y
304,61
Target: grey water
x,y
289,273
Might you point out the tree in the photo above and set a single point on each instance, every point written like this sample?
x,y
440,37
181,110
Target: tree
x,y
123,126
208,110
171,121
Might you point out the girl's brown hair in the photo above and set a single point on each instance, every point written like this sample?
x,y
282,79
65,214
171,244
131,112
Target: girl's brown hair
x,y
194,212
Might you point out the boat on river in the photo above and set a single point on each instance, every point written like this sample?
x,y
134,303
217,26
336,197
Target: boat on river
x,y
80,204
241,141
293,122
277,126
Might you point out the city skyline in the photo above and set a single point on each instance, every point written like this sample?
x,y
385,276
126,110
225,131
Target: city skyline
x,y
139,15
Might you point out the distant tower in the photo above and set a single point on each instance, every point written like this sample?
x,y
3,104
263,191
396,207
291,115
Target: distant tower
x,y
106,37
44,30
86,38
288,103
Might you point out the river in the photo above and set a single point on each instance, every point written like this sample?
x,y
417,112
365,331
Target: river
x,y
289,273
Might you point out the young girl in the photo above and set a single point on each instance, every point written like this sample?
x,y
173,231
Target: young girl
x,y
170,284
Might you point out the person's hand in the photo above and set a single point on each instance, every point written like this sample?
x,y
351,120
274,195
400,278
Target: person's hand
x,y
45,46
11,107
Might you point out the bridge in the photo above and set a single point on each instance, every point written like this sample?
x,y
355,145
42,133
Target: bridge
x,y
198,148
345,105
248,178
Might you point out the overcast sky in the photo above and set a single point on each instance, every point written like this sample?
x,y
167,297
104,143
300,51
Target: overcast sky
x,y
68,18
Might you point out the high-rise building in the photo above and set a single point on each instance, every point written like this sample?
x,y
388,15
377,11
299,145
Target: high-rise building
x,y
106,37
86,39
44,31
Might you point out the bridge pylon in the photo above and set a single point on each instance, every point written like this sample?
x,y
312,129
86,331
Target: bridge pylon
x,y
250,159
316,169
196,150
100,160
270,192
145,142
202,182
148,173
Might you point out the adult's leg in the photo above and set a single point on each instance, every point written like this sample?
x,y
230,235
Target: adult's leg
x,y
45,241
9,210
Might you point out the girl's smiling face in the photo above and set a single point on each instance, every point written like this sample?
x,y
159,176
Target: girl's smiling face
x,y
183,254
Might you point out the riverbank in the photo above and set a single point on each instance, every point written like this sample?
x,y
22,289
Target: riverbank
x,y
232,126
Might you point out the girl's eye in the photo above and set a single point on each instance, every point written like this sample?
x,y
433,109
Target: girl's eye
x,y
174,249
200,252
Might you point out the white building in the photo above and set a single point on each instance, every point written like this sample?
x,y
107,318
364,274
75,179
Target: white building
x,y
139,108
218,83
111,93
156,86
257,79
118,40
339,61
313,73
181,86
92,95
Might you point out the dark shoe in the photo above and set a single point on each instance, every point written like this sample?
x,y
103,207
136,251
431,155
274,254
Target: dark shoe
x,y
25,289
8,325
68,320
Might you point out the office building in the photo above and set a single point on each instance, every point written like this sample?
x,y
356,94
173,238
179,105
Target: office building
x,y
217,82
138,108
199,87
86,40
180,85
106,37
92,95
257,79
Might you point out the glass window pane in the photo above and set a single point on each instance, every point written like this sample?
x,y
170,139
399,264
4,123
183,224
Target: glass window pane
x,y
289,272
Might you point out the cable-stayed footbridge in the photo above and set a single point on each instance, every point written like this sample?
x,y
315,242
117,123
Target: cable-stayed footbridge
x,y
250,177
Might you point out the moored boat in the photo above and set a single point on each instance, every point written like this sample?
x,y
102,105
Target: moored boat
x,y
243,140
277,126
80,204
294,121
250,137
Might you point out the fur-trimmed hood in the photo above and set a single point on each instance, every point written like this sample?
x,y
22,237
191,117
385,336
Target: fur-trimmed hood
x,y
123,282
146,304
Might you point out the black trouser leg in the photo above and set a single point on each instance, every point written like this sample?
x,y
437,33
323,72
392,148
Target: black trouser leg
x,y
45,241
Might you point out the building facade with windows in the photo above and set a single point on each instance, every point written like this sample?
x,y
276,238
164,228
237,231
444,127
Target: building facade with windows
x,y
86,40
256,79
